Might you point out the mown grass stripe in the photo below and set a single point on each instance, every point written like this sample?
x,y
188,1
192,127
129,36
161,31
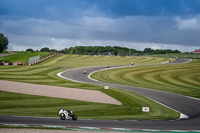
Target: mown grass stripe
x,y
177,78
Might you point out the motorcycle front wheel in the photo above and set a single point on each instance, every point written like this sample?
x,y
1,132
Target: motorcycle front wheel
x,y
62,116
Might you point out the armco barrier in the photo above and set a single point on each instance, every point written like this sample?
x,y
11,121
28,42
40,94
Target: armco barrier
x,y
37,62
8,64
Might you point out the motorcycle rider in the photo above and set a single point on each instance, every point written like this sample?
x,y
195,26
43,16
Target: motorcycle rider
x,y
68,111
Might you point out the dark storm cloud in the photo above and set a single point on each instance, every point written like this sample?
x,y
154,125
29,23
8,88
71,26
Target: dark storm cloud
x,y
118,8
153,7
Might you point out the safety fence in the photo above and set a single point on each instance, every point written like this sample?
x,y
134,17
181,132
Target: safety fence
x,y
36,59
9,64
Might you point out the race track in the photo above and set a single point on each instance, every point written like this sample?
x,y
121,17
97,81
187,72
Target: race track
x,y
184,105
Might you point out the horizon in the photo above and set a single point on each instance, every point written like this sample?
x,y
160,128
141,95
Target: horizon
x,y
38,50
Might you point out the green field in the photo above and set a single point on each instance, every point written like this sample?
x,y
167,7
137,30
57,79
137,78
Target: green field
x,y
180,55
181,79
23,56
45,73
5,52
94,60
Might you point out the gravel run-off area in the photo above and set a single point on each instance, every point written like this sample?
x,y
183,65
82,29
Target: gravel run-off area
x,y
57,92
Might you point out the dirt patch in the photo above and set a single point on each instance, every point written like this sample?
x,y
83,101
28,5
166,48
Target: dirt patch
x,y
58,92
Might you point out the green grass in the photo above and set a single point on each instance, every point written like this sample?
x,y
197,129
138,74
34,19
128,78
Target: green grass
x,y
23,56
92,60
180,55
5,52
45,73
131,108
181,79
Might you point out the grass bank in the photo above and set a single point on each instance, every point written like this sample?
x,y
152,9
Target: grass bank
x,y
23,56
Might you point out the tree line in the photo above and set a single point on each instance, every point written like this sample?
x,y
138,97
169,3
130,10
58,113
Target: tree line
x,y
106,50
93,50
116,50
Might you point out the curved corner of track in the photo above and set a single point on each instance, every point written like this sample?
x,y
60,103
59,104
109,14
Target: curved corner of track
x,y
189,108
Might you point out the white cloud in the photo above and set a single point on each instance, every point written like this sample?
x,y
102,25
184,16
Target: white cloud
x,y
78,43
155,47
188,23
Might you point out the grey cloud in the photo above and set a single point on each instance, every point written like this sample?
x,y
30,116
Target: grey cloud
x,y
133,28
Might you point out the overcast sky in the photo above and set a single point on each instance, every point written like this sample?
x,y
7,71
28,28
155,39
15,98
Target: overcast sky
x,y
138,24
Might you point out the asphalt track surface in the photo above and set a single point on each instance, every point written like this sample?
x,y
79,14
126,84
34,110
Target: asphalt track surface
x,y
185,105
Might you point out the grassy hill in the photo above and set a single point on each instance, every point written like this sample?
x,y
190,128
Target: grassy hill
x,y
23,56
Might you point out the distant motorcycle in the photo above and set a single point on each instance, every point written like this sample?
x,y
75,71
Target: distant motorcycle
x,y
64,114
84,72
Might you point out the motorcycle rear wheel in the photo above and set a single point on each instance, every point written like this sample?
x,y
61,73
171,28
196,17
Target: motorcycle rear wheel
x,y
74,117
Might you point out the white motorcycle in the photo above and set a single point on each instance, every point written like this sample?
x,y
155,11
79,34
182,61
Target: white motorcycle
x,y
65,114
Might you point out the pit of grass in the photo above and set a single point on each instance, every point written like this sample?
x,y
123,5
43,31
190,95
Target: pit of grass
x,y
181,79
45,74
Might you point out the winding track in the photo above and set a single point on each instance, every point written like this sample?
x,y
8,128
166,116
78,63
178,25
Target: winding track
x,y
186,105
182,104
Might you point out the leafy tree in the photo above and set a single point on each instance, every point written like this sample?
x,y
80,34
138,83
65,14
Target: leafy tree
x,y
165,51
148,50
176,51
3,42
45,50
159,51
99,50
53,50
29,50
